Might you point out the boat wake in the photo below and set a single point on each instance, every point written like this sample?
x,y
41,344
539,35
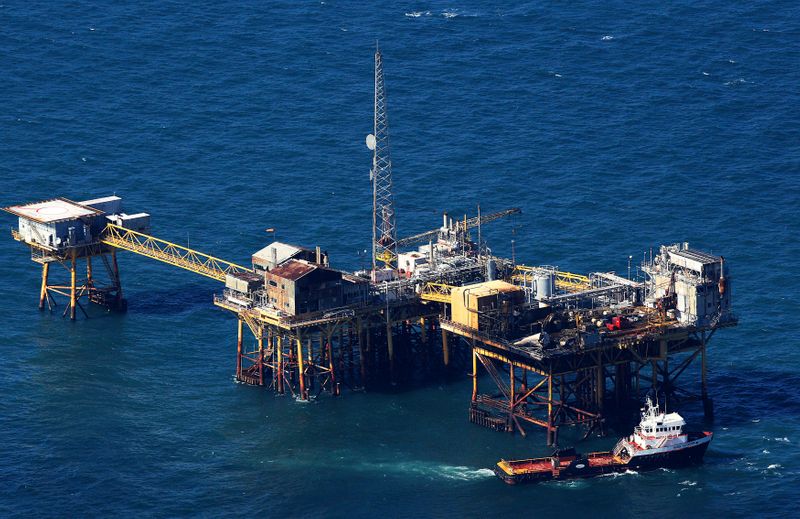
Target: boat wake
x,y
431,470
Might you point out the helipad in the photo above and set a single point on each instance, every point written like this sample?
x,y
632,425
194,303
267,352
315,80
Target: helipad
x,y
52,211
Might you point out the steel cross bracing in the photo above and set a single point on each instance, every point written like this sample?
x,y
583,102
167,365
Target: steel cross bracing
x,y
384,233
171,253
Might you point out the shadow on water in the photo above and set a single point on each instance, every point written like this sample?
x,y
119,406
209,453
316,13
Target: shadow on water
x,y
172,301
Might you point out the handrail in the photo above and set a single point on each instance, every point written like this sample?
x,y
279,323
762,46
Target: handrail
x,y
171,253
439,292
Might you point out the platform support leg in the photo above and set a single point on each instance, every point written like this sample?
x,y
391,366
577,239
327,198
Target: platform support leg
x,y
550,436
43,293
445,349
73,300
474,374
89,277
279,352
512,396
260,359
301,370
332,364
239,350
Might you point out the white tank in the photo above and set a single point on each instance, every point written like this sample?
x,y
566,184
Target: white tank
x,y
545,285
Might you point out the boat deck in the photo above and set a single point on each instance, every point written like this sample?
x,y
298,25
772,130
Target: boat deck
x,y
544,465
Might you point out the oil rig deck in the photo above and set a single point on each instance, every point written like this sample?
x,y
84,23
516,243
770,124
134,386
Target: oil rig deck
x,y
557,348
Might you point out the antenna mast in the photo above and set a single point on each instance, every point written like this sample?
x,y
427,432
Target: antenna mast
x,y
384,233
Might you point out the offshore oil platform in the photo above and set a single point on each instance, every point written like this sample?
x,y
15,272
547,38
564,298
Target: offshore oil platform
x,y
560,349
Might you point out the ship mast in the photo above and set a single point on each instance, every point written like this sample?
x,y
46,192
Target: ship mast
x,y
384,233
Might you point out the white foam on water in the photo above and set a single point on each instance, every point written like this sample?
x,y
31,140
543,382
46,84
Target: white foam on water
x,y
734,82
706,74
774,466
607,37
619,474
460,473
572,483
784,440
755,420
765,451
431,470
449,14
688,483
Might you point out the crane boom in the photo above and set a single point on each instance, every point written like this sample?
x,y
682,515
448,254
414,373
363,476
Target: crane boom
x,y
471,223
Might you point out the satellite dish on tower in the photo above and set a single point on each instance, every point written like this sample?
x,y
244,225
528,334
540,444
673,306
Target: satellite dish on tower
x,y
371,142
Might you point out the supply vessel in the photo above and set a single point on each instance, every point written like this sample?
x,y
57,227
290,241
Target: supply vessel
x,y
658,441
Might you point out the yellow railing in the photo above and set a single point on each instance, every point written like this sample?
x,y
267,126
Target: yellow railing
x,y
171,253
438,292
564,280
572,282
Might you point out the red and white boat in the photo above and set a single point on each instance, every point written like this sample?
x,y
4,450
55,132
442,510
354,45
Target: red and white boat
x,y
658,441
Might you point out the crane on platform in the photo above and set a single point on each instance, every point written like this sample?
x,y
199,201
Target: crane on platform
x,y
384,231
471,223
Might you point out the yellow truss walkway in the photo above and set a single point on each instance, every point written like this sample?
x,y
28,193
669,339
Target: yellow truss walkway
x,y
171,253
438,292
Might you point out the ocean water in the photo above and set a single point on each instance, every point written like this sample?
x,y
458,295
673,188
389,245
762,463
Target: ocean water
x,y
615,126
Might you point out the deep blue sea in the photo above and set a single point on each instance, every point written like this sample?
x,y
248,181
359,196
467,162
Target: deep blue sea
x,y
615,126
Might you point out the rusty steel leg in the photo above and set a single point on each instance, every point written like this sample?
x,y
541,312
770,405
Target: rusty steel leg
x,y
332,366
89,274
260,359
279,352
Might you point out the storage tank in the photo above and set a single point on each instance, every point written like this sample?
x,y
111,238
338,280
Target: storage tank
x,y
545,285
491,270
